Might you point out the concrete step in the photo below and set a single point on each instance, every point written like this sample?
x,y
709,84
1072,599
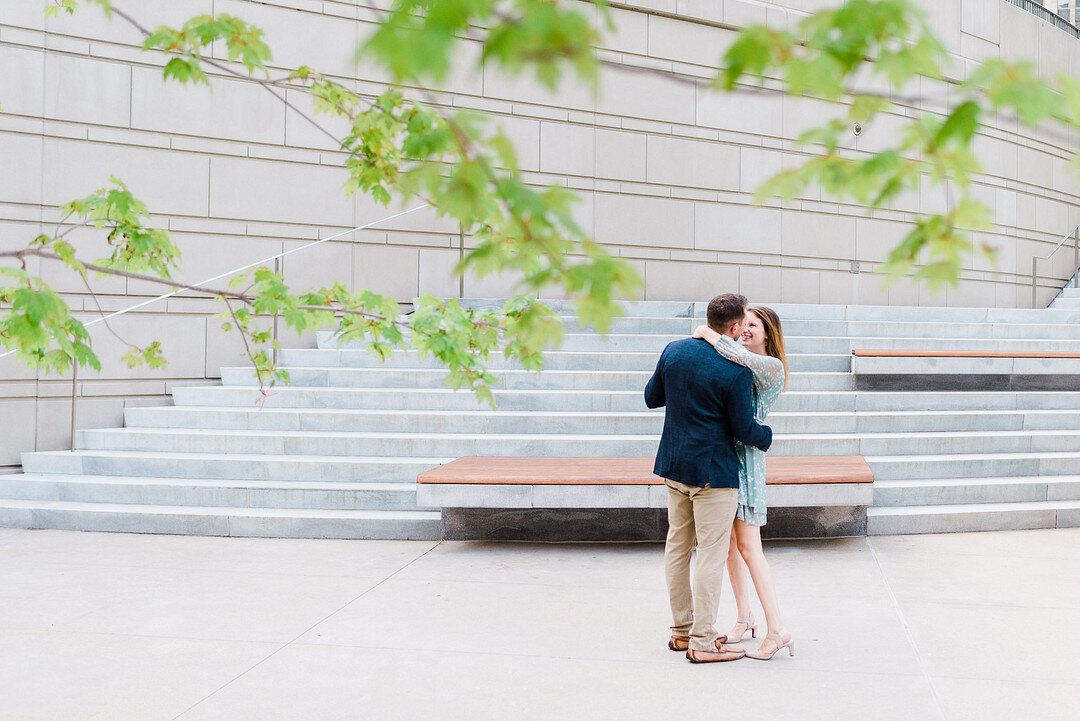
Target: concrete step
x,y
554,360
221,521
904,365
595,401
512,379
359,446
1066,303
915,329
944,491
974,465
972,517
1070,292
842,345
818,341
648,422
373,443
396,421
149,490
794,422
945,400
240,466
408,398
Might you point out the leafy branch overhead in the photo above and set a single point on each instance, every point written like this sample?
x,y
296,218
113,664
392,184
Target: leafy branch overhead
x,y
831,55
403,143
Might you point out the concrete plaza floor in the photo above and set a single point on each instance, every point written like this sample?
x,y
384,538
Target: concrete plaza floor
x,y
113,627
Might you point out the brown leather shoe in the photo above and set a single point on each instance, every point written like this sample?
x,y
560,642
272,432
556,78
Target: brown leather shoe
x,y
679,643
722,653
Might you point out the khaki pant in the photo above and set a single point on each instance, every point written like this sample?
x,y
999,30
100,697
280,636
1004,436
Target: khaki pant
x,y
701,517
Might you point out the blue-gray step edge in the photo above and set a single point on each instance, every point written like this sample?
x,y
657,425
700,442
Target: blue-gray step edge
x,y
230,465
228,492
961,518
222,521
947,491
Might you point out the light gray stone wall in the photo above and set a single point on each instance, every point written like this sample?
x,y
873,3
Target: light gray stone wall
x,y
665,171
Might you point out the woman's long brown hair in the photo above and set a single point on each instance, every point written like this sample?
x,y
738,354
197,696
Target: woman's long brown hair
x,y
774,335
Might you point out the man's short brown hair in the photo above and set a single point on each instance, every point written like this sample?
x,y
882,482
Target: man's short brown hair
x,y
724,310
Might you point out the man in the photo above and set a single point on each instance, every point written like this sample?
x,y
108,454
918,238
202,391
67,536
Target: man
x,y
708,402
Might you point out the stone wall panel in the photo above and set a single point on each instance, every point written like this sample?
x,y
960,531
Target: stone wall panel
x,y
743,228
87,90
673,39
20,158
168,182
671,280
567,149
18,419
387,269
981,18
223,111
748,110
644,221
692,163
285,192
21,82
620,155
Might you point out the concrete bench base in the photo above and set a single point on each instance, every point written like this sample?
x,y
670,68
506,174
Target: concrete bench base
x,y
527,495
630,524
966,382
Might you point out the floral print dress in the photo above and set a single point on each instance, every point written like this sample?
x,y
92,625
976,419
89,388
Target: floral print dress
x,y
768,384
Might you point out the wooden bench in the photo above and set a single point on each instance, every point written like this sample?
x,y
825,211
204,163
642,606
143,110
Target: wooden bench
x,y
485,470
965,370
512,498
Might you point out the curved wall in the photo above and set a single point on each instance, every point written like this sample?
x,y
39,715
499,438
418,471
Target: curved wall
x,y
665,171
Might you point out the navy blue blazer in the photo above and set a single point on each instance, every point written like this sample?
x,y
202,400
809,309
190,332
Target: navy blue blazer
x,y
709,401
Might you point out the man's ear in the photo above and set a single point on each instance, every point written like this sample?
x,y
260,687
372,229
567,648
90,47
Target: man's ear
x,y
733,328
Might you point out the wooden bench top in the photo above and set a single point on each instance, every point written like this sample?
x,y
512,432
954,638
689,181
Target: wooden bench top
x,y
874,353
497,470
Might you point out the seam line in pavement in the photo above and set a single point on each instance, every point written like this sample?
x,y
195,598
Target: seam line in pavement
x,y
302,633
907,630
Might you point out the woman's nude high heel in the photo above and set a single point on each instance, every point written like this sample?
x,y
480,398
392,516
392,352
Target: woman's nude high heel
x,y
737,634
789,644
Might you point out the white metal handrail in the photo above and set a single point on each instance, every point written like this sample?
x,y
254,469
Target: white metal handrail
x,y
227,273
276,258
1075,235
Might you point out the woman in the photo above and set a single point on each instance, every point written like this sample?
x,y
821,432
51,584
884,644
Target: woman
x,y
762,351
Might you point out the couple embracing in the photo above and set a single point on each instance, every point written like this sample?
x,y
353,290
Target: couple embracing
x,y
716,392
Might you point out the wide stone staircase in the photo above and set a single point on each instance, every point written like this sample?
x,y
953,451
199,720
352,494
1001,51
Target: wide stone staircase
x,y
336,453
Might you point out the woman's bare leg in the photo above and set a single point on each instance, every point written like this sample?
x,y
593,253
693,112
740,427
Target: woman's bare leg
x,y
748,540
740,582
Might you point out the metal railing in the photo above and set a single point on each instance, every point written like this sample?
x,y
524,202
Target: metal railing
x,y
1048,15
1075,235
277,268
